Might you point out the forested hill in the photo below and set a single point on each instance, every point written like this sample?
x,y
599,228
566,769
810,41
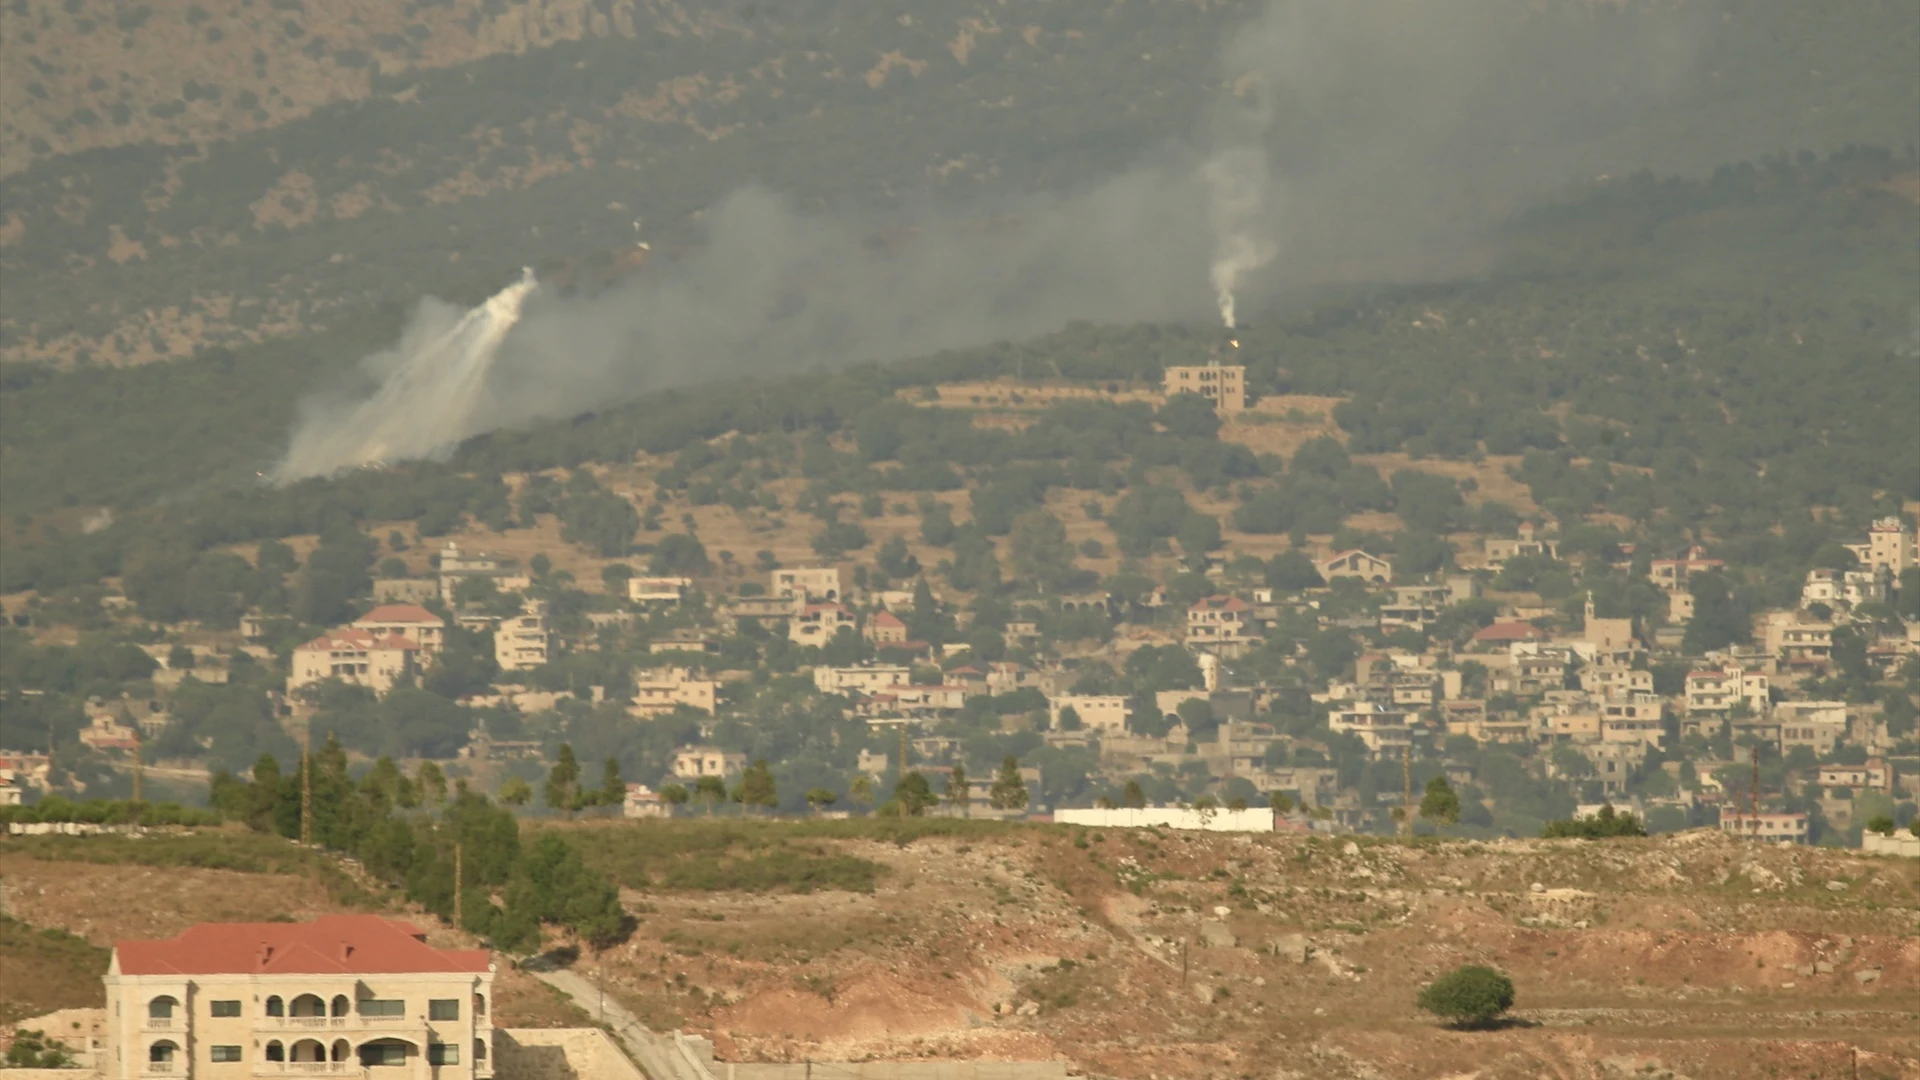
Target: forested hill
x,y
1695,357
231,171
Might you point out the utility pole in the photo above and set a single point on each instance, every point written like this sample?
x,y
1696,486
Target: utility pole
x,y
903,752
1753,794
306,783
457,922
138,770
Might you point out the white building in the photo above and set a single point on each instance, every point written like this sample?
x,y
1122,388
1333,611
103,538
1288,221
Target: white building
x,y
658,590
410,621
814,584
525,640
1105,713
354,657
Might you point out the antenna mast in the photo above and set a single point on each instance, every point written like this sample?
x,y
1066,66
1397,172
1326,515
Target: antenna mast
x,y
306,783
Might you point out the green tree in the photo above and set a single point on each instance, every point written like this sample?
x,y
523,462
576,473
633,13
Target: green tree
x,y
861,790
1133,796
710,790
675,795
432,783
820,798
957,790
1719,618
563,782
1469,996
757,788
1009,791
912,796
516,791
1440,804
613,790
1039,548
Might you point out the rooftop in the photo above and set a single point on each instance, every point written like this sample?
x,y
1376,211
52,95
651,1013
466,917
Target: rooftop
x,y
329,945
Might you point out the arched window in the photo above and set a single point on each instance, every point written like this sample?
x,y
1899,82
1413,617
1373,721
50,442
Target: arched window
x,y
161,1051
308,1005
479,1006
341,1005
307,1050
276,1052
342,1050
161,1008
479,1050
275,1007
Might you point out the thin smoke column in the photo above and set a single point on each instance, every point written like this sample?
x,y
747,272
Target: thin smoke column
x,y
1236,181
434,391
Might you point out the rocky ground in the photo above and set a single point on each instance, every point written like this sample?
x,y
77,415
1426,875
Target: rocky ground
x,y
1144,955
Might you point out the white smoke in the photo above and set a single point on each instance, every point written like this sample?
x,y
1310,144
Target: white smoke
x,y
433,391
1366,139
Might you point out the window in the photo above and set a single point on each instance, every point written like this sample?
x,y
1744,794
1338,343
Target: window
x,y
226,1008
382,1007
275,1007
479,1050
383,1053
160,1008
443,1009
276,1052
226,1053
443,1053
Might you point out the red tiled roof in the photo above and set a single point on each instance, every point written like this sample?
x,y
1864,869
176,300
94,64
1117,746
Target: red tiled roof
x,y
359,639
329,945
1219,603
887,619
1510,631
400,613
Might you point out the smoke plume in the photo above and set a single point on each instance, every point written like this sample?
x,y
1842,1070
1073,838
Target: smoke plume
x,y
1350,139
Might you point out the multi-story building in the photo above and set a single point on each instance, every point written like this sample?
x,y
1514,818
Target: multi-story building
x,y
1105,713
1383,730
1850,587
814,584
344,995
818,624
1874,775
658,590
662,690
1221,624
457,566
861,678
1672,574
410,621
355,657
694,762
1775,828
1356,564
1528,543
884,628
1717,691
525,640
1223,384
1799,643
1890,547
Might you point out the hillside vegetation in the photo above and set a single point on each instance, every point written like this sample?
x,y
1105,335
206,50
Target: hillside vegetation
x,y
315,159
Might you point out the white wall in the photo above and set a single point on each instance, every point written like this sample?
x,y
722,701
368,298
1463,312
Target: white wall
x,y
1172,817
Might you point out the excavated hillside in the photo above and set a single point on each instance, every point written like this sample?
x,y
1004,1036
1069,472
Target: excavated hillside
x,y
1143,955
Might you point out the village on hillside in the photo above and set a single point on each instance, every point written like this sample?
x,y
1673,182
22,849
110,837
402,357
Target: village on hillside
x,y
1520,682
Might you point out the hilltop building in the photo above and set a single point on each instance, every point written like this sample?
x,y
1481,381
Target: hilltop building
x,y
1223,384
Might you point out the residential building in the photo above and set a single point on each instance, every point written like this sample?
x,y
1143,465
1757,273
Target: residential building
x,y
1528,543
13,789
734,611
1223,384
1891,547
347,995
1679,606
884,628
457,566
818,624
1499,635
1356,564
694,762
405,590
1849,587
355,657
1383,730
410,621
1221,625
666,591
1613,762
813,584
663,690
1799,642
861,679
1615,681
644,802
1779,828
1105,713
1717,691
1874,775
1672,574
104,731
683,641
525,640
1817,725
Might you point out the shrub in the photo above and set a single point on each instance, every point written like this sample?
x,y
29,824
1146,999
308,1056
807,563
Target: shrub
x,y
1469,996
1601,826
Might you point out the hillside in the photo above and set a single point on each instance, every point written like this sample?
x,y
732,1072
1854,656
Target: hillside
x,y
309,161
1136,954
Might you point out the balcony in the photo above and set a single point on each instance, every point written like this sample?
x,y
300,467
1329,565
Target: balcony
x,y
157,1023
290,1069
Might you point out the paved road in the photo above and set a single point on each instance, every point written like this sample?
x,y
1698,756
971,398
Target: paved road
x,y
657,1055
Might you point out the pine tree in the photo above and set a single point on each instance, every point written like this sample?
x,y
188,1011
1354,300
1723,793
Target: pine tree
x,y
757,788
957,790
1009,791
563,782
1440,804
613,790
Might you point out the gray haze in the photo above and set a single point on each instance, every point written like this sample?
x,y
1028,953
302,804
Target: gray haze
x,y
1351,138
